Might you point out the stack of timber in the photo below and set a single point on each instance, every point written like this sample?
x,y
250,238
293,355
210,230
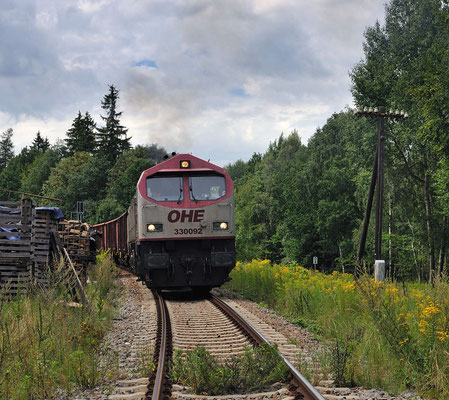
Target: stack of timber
x,y
31,241
16,244
75,238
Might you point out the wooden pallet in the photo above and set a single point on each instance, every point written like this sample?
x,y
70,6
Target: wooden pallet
x,y
16,256
28,259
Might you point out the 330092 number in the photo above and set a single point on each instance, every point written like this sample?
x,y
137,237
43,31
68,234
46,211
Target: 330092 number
x,y
188,231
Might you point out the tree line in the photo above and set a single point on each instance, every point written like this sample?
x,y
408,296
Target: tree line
x,y
95,165
295,201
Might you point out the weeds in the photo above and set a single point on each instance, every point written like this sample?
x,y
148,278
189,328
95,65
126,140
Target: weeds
x,y
378,334
255,369
46,344
146,362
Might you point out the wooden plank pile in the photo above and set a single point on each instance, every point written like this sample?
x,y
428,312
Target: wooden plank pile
x,y
16,245
29,241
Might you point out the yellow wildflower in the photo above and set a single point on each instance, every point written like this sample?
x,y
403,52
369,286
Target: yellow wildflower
x,y
391,289
430,310
423,326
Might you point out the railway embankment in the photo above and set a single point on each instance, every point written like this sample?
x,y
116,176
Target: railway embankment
x,y
50,344
303,349
350,334
129,345
51,348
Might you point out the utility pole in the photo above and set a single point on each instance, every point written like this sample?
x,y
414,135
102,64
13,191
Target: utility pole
x,y
377,181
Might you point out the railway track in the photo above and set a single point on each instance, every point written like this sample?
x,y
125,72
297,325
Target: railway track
x,y
192,322
159,386
215,325
299,384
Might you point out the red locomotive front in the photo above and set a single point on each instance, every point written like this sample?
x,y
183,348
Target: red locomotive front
x,y
181,226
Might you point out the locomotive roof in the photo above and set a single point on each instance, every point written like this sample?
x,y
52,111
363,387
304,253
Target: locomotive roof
x,y
172,165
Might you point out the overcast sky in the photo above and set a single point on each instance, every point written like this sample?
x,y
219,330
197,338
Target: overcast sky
x,y
216,78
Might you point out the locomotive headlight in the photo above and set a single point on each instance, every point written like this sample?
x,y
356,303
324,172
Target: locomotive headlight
x,y
220,226
154,227
184,164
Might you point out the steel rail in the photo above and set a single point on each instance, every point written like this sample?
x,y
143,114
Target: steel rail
x,y
302,384
158,381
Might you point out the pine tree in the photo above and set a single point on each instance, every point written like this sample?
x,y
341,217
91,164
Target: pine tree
x,y
40,143
6,147
81,136
111,139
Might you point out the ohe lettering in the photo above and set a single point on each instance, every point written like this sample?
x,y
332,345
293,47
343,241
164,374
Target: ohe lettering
x,y
185,216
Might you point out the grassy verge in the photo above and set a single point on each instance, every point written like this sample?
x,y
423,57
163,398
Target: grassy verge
x,y
380,335
257,368
47,344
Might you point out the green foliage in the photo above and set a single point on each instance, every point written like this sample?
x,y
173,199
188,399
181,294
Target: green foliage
x,y
106,188
89,182
295,202
120,183
6,148
60,180
11,176
111,138
81,136
255,369
37,173
45,344
105,210
240,170
40,143
405,66
442,184
251,207
123,177
400,331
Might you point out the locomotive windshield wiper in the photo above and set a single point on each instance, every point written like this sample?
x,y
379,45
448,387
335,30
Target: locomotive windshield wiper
x,y
180,195
193,196
180,191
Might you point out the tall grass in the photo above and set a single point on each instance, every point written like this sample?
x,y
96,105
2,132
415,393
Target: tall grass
x,y
47,342
379,335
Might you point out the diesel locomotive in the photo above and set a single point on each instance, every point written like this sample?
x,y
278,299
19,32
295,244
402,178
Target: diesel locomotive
x,y
179,230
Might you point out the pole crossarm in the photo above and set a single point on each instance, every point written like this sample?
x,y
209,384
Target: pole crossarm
x,y
381,112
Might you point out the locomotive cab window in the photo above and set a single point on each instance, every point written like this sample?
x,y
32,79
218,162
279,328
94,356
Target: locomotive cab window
x,y
165,188
207,187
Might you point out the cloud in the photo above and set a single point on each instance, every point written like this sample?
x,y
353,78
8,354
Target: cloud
x,y
218,78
